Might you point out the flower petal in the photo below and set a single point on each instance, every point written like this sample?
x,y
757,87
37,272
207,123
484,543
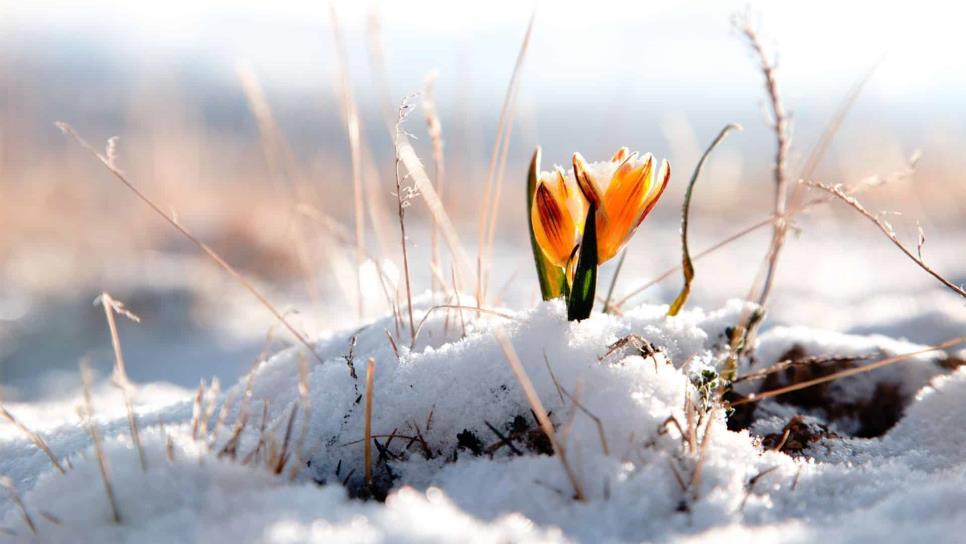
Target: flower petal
x,y
621,155
553,227
586,182
625,199
664,174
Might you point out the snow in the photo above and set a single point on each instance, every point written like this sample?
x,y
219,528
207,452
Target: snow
x,y
906,484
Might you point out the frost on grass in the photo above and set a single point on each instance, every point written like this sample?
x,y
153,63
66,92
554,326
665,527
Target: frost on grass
x,y
459,455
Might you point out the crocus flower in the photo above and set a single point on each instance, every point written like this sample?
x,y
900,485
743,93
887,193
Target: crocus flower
x,y
623,189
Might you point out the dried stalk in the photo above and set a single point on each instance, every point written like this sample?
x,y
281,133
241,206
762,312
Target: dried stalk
x,y
489,210
234,273
355,149
367,446
402,202
521,375
120,378
783,142
435,130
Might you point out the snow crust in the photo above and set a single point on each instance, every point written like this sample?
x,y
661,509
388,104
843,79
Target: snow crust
x,y
906,484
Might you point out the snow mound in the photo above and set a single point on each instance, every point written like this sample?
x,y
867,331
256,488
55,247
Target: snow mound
x,y
460,455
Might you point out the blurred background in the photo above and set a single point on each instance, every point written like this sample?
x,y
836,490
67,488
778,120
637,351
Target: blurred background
x,y
180,84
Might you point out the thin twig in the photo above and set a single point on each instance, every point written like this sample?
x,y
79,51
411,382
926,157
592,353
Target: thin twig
x,y
839,192
234,273
755,397
782,144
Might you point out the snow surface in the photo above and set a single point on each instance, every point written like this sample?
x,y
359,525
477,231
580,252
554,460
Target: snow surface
x,y
907,484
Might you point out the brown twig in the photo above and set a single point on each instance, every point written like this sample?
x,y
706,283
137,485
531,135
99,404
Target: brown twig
x,y
839,192
783,142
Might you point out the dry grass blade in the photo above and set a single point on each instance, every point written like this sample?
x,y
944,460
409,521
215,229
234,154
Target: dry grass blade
x,y
33,436
196,410
435,130
755,397
355,147
7,483
367,446
306,413
120,379
838,192
685,208
702,453
521,375
88,414
234,273
492,188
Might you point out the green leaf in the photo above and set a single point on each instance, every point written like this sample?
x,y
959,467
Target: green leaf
x,y
553,281
584,286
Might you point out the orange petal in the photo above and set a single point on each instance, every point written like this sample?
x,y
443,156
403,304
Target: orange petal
x,y
553,227
625,199
588,186
664,174
621,155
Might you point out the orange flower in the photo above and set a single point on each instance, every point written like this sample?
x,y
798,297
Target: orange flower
x,y
558,216
623,189
625,200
